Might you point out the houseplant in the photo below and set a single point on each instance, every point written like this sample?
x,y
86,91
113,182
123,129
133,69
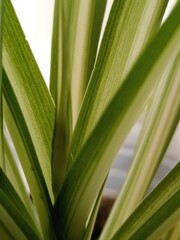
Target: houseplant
x,y
66,138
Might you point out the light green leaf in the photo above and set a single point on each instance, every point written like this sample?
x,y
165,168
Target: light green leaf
x,y
60,90
11,202
5,222
76,33
161,122
93,215
157,213
28,158
15,176
92,164
29,88
88,28
29,112
130,26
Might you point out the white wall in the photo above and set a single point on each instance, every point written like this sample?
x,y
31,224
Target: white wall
x,y
36,18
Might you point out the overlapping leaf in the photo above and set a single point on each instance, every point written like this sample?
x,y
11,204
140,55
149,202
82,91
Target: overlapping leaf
x,y
92,164
16,209
152,221
2,160
130,25
76,31
29,114
161,121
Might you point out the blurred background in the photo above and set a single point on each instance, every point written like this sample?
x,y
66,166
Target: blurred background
x,y
36,17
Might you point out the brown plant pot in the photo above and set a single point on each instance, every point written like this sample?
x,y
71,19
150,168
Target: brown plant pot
x,y
103,213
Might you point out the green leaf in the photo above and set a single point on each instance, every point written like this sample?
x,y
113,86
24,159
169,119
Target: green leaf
x,y
89,22
60,90
161,121
5,233
157,213
15,176
173,234
24,146
14,230
92,164
29,88
76,33
93,215
130,26
2,159
29,112
11,202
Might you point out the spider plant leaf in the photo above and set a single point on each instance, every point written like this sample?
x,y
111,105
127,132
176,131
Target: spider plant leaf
x,y
173,234
60,90
130,26
2,159
12,203
5,222
93,216
28,158
30,114
162,120
15,176
30,89
88,28
151,221
4,232
81,21
76,32
83,182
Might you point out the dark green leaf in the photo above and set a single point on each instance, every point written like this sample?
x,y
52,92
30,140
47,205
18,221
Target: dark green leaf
x,y
11,202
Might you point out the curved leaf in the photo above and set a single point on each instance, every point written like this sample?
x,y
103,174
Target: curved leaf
x,y
157,213
5,233
130,26
30,111
29,89
11,202
25,148
160,124
15,176
84,180
2,158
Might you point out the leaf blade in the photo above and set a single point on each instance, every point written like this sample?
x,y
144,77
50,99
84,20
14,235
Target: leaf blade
x,y
165,197
102,145
32,114
27,155
161,122
30,88
6,220
125,36
2,158
15,207
88,28
4,232
76,33
60,90
15,176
